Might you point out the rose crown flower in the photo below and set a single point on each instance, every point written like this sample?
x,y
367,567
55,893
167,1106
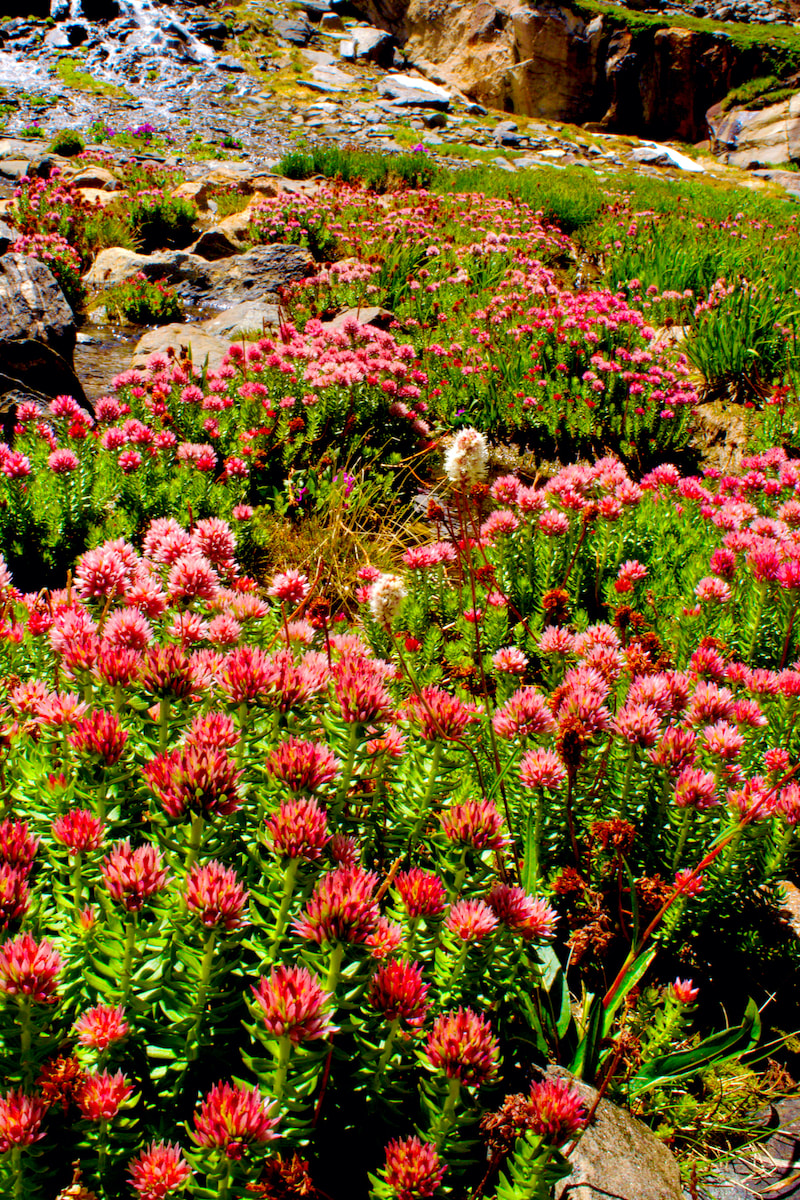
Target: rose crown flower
x,y
133,876
292,1001
342,907
461,1044
398,992
29,968
199,779
412,1168
231,1117
158,1170
100,1096
101,1026
21,1119
215,895
557,1111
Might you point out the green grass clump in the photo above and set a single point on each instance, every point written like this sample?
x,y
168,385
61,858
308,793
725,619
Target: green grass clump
x,y
757,94
382,172
67,142
69,72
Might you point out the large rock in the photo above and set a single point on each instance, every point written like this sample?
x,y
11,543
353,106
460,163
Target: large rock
x,y
413,90
768,137
34,372
618,1157
251,316
203,347
260,271
32,306
365,41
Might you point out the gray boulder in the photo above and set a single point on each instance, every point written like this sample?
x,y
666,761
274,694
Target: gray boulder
x,y
374,45
260,271
32,306
297,31
618,1157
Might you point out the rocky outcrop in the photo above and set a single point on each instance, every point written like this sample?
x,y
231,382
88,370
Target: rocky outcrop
x,y
550,61
757,139
32,306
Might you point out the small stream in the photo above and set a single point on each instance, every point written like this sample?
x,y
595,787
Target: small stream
x,y
103,352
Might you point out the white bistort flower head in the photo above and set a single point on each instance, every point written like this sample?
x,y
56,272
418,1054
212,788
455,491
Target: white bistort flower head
x,y
466,459
386,595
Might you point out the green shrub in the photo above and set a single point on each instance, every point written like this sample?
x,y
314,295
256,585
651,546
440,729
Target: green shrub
x,y
67,142
157,221
142,303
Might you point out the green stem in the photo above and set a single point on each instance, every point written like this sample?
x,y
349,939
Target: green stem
x,y
16,1171
626,786
337,954
436,759
386,1053
412,934
683,833
458,967
127,962
192,1048
195,840
347,773
102,1152
777,854
762,595
101,800
25,1038
225,1177
289,880
77,886
163,723
279,1082
448,1112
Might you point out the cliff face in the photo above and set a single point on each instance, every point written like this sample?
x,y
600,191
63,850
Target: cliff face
x,y
549,61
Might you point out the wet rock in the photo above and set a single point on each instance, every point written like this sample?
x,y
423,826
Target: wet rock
x,y
180,339
251,316
617,1156
296,32
210,31
765,138
32,306
31,370
663,156
57,39
414,91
